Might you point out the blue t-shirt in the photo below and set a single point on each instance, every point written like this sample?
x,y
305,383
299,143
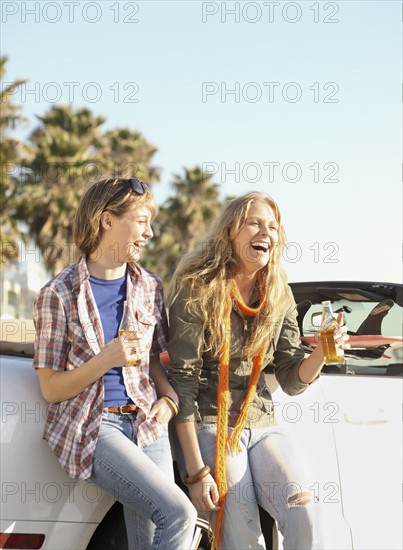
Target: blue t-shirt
x,y
109,296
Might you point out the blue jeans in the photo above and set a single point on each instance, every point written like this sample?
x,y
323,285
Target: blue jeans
x,y
267,472
158,514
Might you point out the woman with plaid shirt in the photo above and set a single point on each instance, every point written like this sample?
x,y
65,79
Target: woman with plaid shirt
x,y
107,420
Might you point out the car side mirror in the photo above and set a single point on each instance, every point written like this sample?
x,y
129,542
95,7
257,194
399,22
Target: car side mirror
x,y
316,320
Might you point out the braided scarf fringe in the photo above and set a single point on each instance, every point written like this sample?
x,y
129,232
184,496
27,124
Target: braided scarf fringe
x,y
231,443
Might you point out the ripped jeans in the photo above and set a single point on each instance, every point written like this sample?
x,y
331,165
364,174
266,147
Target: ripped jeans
x,y
267,472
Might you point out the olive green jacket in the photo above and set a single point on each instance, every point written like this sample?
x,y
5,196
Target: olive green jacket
x,y
194,371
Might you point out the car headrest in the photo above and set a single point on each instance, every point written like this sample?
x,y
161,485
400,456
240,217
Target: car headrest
x,y
373,322
302,308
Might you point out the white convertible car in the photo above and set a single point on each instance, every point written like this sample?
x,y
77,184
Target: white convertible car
x,y
348,423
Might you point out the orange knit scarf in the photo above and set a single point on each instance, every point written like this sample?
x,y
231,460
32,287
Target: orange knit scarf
x,y
232,442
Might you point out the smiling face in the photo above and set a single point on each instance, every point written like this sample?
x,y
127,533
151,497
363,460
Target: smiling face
x,y
255,241
126,235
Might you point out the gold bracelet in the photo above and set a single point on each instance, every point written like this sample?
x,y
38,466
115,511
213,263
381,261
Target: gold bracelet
x,y
190,480
173,404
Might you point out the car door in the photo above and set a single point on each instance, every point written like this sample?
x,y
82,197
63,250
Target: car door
x,y
366,394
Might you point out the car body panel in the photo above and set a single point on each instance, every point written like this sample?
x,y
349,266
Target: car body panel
x,y
59,535
34,486
368,438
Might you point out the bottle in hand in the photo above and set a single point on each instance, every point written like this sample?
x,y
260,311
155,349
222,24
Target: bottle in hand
x,y
127,329
333,354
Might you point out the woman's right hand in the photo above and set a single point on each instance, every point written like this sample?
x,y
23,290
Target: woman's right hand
x,y
59,386
121,350
204,494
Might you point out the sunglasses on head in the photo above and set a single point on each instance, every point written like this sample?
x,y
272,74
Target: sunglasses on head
x,y
137,187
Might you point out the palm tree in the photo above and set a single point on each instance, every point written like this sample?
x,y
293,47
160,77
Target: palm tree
x,y
10,158
182,221
129,154
64,159
69,151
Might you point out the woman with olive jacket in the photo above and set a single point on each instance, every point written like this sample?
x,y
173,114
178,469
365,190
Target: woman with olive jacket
x,y
231,314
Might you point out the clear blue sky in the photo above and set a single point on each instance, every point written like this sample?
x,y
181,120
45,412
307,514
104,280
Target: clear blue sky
x,y
306,93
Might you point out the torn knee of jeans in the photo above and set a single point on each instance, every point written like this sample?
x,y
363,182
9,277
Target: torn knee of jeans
x,y
246,512
300,499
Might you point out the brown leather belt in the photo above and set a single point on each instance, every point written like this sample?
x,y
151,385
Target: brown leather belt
x,y
123,409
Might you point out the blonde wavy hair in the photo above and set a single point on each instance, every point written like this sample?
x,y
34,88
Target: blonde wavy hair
x,y
97,198
207,272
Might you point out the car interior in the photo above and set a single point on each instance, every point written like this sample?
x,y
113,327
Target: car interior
x,y
373,314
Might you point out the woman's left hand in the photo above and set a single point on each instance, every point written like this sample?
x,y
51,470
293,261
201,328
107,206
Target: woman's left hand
x,y
161,411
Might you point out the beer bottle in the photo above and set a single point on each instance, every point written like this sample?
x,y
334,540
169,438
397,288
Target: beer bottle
x,y
127,328
333,354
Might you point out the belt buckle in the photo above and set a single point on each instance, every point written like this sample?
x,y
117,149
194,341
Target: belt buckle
x,y
122,411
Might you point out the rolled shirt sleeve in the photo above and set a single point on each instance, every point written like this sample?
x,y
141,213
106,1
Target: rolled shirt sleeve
x,y
51,343
185,348
288,354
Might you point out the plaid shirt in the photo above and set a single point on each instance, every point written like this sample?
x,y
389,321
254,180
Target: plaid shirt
x,y
68,333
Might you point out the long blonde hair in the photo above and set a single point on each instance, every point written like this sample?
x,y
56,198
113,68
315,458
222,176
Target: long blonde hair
x,y
207,271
